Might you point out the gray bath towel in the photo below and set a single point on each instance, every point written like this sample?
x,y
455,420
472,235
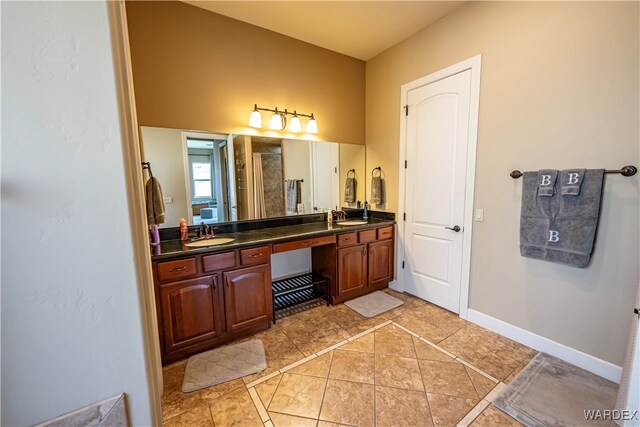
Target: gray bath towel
x,y
560,229
293,194
350,190
377,196
571,181
547,182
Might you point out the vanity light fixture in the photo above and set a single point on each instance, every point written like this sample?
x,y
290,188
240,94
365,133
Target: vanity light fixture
x,y
294,124
279,120
255,119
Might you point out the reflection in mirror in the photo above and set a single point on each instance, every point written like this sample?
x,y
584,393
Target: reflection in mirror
x,y
213,178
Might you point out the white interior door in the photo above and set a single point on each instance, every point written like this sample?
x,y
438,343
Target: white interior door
x,y
325,164
436,148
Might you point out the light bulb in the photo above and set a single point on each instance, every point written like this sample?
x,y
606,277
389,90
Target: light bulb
x,y
312,125
255,119
277,121
294,124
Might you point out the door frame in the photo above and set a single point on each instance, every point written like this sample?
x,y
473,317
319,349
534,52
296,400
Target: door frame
x,y
473,64
187,167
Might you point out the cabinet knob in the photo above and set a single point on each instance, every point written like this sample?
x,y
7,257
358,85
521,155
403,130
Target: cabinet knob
x,y
256,255
178,269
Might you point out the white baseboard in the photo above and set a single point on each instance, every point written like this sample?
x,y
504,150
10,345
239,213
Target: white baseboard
x,y
576,357
394,285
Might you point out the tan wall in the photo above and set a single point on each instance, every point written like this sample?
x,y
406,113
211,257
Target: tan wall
x,y
559,89
194,69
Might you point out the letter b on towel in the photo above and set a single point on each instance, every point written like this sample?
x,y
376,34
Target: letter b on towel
x,y
545,180
554,236
573,178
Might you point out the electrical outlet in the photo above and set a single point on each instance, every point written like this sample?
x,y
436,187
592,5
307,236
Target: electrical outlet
x,y
479,215
167,200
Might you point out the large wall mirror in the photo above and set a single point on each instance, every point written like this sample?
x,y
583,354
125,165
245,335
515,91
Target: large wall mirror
x,y
219,177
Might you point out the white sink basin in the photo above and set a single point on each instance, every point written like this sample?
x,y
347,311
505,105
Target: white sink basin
x,y
209,242
353,222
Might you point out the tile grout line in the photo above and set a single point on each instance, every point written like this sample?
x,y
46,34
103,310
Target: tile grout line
x,y
360,335
262,411
464,362
263,379
274,393
473,413
298,363
426,396
449,354
324,392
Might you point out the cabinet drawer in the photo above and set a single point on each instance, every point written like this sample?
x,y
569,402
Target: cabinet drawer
x,y
304,243
219,261
385,233
255,256
347,239
171,270
366,236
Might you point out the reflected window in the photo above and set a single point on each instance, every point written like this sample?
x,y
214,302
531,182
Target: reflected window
x,y
201,182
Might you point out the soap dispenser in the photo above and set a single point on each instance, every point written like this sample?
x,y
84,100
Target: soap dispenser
x,y
365,214
184,231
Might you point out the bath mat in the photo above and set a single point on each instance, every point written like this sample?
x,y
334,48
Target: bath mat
x,y
224,364
373,304
552,392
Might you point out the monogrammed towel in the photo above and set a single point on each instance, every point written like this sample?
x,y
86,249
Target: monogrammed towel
x,y
559,228
571,181
547,182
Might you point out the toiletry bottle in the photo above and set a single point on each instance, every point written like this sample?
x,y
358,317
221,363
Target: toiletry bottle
x,y
155,235
365,214
330,216
184,231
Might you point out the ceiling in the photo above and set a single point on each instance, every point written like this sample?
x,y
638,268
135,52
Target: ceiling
x,y
361,29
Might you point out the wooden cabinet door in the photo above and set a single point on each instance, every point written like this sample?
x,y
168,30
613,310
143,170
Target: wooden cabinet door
x,y
191,312
248,300
380,262
352,270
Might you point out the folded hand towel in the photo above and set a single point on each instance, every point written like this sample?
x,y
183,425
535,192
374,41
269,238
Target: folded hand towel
x,y
350,190
377,196
156,213
570,182
547,182
560,229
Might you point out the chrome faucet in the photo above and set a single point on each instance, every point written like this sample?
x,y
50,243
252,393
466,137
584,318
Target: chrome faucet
x,y
339,215
206,231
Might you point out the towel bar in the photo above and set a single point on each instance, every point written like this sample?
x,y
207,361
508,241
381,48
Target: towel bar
x,y
628,170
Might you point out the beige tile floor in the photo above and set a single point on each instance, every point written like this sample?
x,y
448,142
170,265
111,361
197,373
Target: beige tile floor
x,y
416,365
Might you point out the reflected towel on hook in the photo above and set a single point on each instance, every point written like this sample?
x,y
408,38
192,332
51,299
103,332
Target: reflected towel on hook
x,y
156,213
350,190
293,194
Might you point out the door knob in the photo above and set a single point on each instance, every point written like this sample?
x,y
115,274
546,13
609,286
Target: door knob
x,y
455,228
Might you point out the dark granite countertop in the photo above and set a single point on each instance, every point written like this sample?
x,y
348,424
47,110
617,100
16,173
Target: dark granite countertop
x,y
176,249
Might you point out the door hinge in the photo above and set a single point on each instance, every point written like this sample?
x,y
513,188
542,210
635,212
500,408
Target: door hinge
x,y
404,216
406,110
402,264
405,164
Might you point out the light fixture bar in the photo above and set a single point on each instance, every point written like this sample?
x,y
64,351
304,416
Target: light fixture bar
x,y
256,121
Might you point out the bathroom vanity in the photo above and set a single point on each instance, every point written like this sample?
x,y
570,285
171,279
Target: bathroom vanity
x,y
208,296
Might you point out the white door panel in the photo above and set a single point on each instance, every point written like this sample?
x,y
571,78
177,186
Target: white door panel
x,y
437,139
